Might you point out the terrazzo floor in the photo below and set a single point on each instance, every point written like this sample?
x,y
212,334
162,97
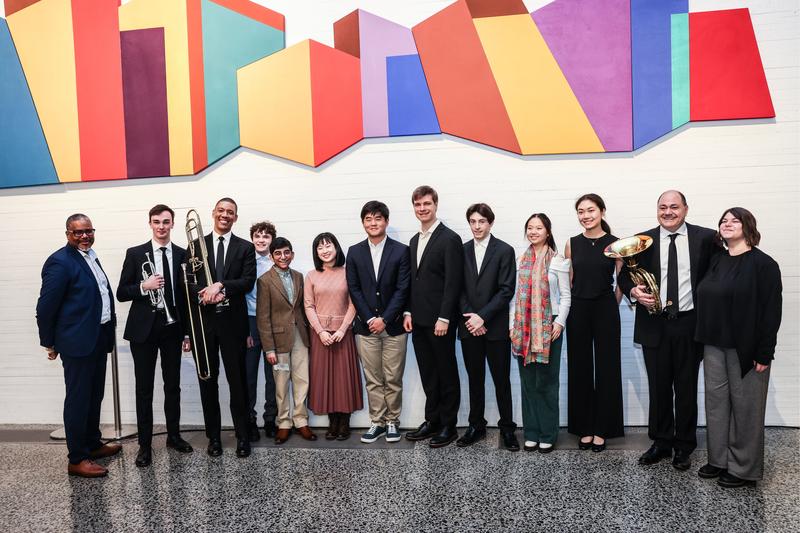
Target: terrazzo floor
x,y
354,487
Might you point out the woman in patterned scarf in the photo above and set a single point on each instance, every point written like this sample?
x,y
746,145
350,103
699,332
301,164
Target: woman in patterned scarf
x,y
539,313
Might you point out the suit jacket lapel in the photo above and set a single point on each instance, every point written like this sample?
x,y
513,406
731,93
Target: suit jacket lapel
x,y
694,253
413,247
232,246
387,250
212,263
431,239
275,279
491,248
656,268
296,279
469,252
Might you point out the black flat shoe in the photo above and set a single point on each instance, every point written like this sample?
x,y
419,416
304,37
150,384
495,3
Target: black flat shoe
x,y
426,430
443,438
242,448
214,448
729,481
144,457
509,441
177,443
654,454
252,431
471,436
597,448
584,445
270,430
709,472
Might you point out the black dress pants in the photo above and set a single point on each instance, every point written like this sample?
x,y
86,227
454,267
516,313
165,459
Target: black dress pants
x,y
438,371
477,352
167,340
673,367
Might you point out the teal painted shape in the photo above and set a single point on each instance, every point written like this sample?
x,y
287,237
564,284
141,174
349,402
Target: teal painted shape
x,y
24,155
230,41
680,69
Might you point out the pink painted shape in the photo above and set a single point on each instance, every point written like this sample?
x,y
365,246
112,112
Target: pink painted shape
x,y
591,40
379,38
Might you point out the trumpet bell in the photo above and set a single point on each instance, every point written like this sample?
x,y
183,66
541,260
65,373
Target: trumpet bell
x,y
628,247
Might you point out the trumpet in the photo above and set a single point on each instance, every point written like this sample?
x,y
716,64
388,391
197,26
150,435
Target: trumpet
x,y
197,260
627,249
157,295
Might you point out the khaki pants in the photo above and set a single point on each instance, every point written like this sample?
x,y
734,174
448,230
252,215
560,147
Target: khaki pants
x,y
384,360
297,373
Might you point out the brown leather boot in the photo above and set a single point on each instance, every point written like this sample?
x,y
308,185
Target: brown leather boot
x,y
344,426
333,426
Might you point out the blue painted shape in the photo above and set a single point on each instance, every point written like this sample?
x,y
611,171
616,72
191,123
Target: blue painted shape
x,y
230,41
411,109
24,155
651,67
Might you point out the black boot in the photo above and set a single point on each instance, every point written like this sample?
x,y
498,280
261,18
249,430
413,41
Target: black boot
x,y
333,426
344,426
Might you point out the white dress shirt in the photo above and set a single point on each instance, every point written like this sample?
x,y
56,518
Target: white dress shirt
x,y
424,237
157,263
376,251
225,242
480,250
685,302
102,283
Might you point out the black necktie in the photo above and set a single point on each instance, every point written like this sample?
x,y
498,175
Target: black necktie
x,y
167,278
672,278
220,259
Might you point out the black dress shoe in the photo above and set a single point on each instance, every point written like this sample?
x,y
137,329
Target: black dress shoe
x,y
214,447
708,471
584,445
682,460
654,455
471,436
177,443
443,438
252,431
597,448
510,441
270,429
426,430
729,481
144,457
242,448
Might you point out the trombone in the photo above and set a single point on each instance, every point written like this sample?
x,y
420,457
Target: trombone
x,y
195,263
157,295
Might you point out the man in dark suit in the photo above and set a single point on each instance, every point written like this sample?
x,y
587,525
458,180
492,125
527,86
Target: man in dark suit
x,y
678,259
378,280
75,315
151,329
489,272
233,273
437,269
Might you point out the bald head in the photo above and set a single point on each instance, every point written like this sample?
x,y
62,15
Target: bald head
x,y
673,192
671,210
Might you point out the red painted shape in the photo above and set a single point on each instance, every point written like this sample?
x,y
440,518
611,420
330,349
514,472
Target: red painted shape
x,y
12,6
496,8
197,91
98,74
255,12
335,101
464,92
346,36
726,77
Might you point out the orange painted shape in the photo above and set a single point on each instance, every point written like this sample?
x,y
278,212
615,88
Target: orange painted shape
x,y
12,6
335,101
346,35
197,92
496,8
255,12
98,75
464,92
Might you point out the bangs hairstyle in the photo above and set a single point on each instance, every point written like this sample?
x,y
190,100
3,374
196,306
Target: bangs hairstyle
x,y
265,226
483,210
751,235
374,207
325,238
278,243
551,242
158,209
596,200
425,190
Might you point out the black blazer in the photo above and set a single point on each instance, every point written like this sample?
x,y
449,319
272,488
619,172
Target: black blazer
x,y
385,297
702,245
488,293
436,281
142,314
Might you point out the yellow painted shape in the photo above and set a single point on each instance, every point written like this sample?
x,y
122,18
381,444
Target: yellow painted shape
x,y
545,114
275,104
170,15
42,33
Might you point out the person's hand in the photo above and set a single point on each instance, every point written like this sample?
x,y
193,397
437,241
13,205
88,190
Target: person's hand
x,y
272,358
51,353
186,346
212,294
440,328
474,322
480,331
377,326
407,324
759,367
326,338
154,282
556,333
337,337
640,294
250,342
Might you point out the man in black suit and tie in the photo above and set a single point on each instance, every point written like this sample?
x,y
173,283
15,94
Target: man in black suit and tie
x,y
154,328
437,269
678,259
233,271
489,272
378,279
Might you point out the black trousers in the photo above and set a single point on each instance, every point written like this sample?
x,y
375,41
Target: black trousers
x,y
233,350
438,371
477,352
252,362
672,370
166,340
594,386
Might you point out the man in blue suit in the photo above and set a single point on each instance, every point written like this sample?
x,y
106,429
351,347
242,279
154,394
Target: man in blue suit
x,y
378,277
75,315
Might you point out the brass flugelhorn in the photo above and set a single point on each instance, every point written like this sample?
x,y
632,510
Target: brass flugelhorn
x,y
156,296
627,249
197,259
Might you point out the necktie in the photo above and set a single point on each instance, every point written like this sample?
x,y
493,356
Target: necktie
x,y
672,278
167,278
220,259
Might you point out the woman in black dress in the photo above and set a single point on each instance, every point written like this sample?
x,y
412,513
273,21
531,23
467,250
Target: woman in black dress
x,y
738,316
593,332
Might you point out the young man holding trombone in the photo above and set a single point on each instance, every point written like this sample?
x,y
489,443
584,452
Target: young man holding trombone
x,y
157,322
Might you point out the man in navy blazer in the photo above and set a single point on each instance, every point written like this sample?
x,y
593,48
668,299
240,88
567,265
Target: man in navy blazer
x,y
378,278
75,315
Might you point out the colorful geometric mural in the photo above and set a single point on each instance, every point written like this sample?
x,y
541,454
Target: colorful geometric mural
x,y
95,90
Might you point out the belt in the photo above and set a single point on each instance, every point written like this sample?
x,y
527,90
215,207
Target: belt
x,y
681,314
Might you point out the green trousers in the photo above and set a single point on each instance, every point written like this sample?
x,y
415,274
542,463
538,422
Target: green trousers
x,y
539,384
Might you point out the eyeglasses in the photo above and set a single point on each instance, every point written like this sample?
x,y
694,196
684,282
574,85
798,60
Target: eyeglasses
x,y
82,232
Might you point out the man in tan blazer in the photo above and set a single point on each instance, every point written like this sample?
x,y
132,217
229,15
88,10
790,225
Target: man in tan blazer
x,y
283,329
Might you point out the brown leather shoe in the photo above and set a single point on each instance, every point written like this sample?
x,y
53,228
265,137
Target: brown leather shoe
x,y
87,468
106,450
306,433
282,435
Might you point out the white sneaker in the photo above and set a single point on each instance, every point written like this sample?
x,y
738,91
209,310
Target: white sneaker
x,y
531,445
392,434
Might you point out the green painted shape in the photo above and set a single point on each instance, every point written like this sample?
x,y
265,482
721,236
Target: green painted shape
x,y
680,69
230,41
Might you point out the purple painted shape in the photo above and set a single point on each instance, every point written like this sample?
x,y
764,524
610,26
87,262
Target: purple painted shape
x,y
379,38
591,40
144,90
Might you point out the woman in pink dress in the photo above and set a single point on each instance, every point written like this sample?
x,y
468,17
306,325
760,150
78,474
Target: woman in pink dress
x,y
335,378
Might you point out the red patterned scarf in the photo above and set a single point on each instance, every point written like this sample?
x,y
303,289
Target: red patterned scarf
x,y
533,317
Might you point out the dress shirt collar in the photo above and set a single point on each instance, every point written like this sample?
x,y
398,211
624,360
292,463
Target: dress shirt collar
x,y
483,243
680,231
225,236
430,230
157,245
378,246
